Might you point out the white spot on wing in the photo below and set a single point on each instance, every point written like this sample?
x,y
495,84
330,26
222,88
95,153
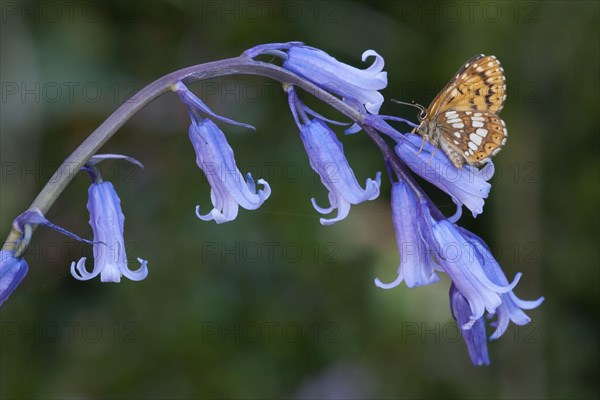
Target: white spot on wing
x,y
458,125
473,146
457,134
477,124
481,132
475,139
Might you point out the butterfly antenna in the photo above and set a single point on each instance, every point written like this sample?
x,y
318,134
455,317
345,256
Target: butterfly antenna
x,y
412,104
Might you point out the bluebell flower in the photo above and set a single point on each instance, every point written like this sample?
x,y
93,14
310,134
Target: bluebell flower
x,y
358,87
14,268
214,156
474,272
107,222
475,336
479,286
467,185
512,307
417,266
12,272
458,257
326,157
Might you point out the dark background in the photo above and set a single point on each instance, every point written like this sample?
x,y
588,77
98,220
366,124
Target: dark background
x,y
274,304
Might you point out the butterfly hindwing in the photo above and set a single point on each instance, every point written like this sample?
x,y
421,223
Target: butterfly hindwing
x,y
475,135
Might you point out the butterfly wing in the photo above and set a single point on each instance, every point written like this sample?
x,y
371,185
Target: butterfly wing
x,y
480,85
475,135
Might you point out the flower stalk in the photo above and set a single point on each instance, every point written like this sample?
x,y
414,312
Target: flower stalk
x,y
233,66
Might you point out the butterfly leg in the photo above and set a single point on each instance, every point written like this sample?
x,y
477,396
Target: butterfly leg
x,y
416,128
422,145
432,154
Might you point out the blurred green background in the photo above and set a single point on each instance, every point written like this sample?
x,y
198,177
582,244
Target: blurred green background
x,y
274,304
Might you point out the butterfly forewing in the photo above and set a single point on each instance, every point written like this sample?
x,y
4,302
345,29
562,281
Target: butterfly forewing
x,y
464,113
479,85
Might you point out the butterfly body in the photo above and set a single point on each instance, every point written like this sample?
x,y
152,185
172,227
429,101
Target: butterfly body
x,y
463,118
432,132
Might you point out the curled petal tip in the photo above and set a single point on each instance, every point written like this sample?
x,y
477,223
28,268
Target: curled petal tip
x,y
378,178
516,280
265,192
390,285
213,215
321,210
139,274
205,217
79,272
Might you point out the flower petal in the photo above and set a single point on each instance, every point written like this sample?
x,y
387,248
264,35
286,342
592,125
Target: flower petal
x,y
475,336
139,274
12,272
466,185
269,48
79,272
416,262
359,88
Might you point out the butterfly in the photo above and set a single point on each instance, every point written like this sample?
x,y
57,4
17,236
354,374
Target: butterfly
x,y
463,118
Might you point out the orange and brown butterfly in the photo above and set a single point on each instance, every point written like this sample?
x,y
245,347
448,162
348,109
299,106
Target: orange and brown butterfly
x,y
463,118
